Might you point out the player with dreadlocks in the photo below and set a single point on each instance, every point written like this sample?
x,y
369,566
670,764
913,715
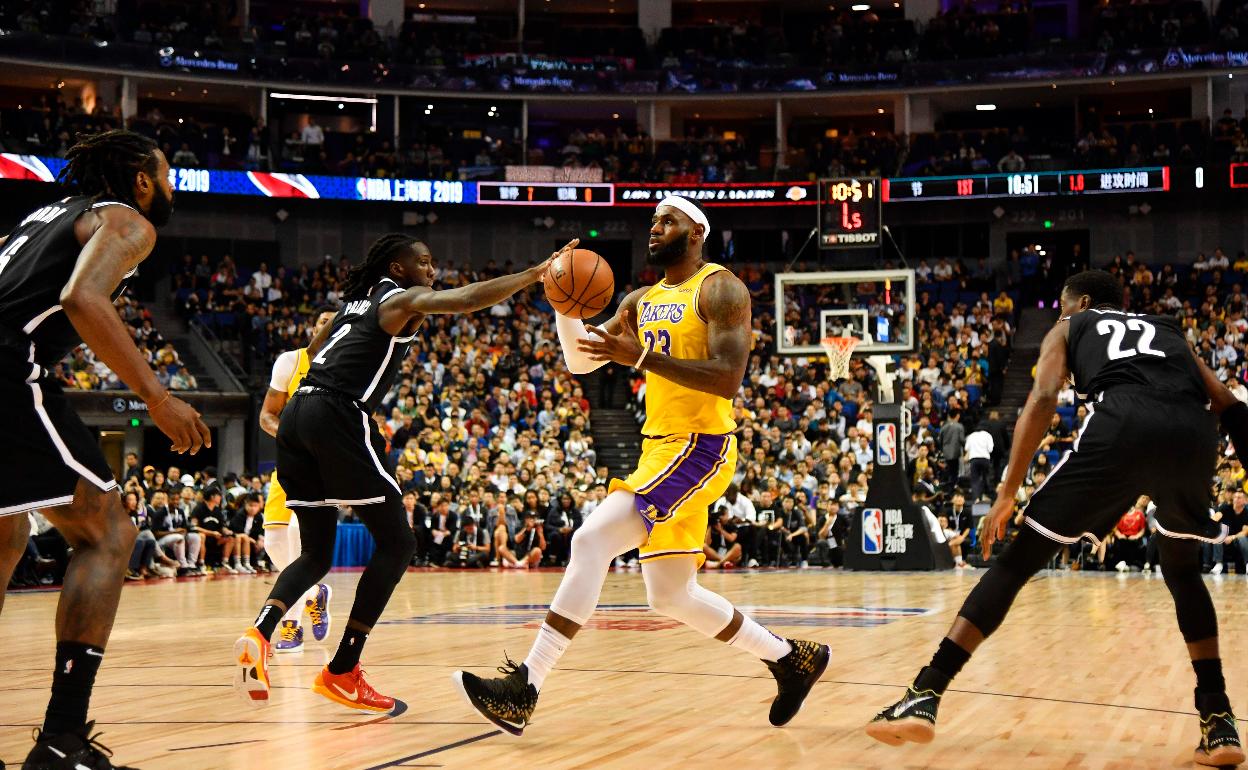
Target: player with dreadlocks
x,y
60,270
331,453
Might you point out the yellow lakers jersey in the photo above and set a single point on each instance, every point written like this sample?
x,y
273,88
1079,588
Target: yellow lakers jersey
x,y
301,369
668,322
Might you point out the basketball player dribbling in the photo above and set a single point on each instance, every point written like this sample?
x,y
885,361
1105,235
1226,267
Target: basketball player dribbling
x,y
60,270
281,529
690,334
1151,429
331,453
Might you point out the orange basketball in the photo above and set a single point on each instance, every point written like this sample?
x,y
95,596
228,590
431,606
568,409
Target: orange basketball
x,y
579,284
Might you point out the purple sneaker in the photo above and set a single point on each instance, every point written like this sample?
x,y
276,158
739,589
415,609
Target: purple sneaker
x,y
317,612
289,637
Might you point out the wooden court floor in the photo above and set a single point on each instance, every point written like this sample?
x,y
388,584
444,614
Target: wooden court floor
x,y
1089,671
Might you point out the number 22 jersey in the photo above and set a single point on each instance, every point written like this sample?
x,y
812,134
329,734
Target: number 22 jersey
x,y
1113,347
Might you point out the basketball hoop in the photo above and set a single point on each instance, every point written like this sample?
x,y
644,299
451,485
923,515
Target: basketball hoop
x,y
839,350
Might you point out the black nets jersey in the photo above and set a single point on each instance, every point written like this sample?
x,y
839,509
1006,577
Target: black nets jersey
x,y
359,359
1112,347
36,263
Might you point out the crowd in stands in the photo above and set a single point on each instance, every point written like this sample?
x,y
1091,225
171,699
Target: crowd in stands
x,y
796,37
82,370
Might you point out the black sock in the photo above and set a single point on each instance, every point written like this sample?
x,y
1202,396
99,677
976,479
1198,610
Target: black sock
x,y
266,622
946,663
1209,675
72,680
349,649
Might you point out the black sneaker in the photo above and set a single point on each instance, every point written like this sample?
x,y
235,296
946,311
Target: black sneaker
x,y
1219,739
77,750
913,718
507,701
795,674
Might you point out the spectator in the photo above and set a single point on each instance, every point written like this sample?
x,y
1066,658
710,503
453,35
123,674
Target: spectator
x,y
721,549
470,548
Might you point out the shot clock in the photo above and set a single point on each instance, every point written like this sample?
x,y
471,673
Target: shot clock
x,y
849,213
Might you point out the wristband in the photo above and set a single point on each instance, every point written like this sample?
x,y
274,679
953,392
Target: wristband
x,y
645,351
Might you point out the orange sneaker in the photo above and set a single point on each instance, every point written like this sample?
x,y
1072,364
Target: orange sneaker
x,y
251,672
351,690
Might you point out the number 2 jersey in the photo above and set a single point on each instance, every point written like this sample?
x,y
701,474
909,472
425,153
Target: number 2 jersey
x,y
36,263
1107,348
360,359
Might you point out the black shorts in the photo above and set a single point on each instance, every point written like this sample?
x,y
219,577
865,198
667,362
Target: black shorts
x,y
44,446
330,452
1135,441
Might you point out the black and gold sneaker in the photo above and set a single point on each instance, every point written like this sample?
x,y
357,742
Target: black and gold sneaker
x,y
1219,738
913,718
507,701
795,674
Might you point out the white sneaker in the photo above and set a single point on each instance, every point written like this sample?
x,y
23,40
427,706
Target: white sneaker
x,y
619,563
804,565
1122,567
632,563
753,563
1217,569
494,563
247,569
227,568
1148,567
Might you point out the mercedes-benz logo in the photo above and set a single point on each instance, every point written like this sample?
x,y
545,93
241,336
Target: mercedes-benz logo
x,y
119,405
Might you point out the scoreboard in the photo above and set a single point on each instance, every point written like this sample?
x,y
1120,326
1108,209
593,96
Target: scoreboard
x,y
545,194
1026,184
849,213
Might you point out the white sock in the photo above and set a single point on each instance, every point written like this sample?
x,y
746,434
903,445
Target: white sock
x,y
548,647
760,642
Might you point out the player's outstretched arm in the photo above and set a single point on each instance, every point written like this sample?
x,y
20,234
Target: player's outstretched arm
x,y
725,304
422,300
573,330
121,240
1051,372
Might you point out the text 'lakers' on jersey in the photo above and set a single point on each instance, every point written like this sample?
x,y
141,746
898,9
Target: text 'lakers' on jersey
x,y
669,322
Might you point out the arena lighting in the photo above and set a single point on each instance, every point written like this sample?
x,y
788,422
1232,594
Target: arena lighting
x,y
985,107
860,7
318,98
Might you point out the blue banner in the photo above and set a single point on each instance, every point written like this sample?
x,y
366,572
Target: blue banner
x,y
270,184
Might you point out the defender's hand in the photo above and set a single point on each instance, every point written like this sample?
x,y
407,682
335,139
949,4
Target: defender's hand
x,y
538,271
622,347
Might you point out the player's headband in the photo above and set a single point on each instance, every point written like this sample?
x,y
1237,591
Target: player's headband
x,y
677,202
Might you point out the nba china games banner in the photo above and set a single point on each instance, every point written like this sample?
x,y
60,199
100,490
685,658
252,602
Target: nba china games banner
x,y
889,531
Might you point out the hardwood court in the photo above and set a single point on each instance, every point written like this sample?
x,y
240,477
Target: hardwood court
x,y
1088,672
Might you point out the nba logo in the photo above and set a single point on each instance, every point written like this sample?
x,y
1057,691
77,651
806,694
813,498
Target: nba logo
x,y
885,444
872,530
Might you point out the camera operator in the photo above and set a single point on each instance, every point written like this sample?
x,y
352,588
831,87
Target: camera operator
x,y
470,547
744,516
721,547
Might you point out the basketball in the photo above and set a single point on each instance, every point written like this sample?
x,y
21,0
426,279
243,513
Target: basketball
x,y
579,284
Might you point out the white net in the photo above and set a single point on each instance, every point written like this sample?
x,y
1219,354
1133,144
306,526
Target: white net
x,y
839,350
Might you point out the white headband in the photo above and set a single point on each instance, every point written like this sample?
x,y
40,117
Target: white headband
x,y
685,205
